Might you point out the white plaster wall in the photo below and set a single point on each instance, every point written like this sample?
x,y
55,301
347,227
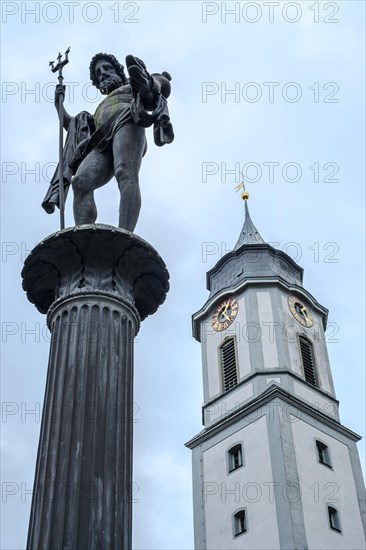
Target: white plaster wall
x,y
245,367
226,405
288,320
275,379
321,356
320,403
269,345
230,492
320,484
211,340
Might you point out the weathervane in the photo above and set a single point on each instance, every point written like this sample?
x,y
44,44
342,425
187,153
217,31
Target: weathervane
x,y
245,194
59,66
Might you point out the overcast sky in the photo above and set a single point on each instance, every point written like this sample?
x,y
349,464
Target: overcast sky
x,y
293,125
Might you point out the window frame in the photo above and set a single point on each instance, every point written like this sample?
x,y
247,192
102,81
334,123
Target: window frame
x,y
328,463
301,336
234,517
220,363
229,455
338,517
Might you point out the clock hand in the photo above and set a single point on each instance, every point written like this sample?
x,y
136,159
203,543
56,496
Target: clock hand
x,y
224,312
304,312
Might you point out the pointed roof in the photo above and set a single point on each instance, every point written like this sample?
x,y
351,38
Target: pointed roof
x,y
252,259
249,233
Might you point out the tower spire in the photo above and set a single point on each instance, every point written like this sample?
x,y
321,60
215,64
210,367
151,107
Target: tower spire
x,y
249,233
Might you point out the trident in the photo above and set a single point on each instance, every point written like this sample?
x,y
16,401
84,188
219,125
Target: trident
x,y
60,65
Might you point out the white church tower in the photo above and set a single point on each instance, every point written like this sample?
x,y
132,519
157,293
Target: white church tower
x,y
273,467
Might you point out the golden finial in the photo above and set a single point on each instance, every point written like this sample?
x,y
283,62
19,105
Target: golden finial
x,y
245,194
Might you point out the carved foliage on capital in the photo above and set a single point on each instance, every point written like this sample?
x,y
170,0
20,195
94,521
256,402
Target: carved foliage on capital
x,y
51,272
96,259
71,270
98,264
44,280
145,270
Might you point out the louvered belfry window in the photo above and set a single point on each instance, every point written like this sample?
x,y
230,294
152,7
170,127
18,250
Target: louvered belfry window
x,y
308,362
228,364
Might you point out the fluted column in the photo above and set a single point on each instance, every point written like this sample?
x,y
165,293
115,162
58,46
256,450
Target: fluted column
x,y
96,283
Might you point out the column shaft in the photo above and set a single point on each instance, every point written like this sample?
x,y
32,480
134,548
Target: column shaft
x,y
83,484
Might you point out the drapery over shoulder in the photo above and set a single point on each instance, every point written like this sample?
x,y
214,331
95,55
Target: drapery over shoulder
x,y
82,138
80,129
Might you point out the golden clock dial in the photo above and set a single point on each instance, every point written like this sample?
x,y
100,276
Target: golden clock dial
x,y
300,311
224,314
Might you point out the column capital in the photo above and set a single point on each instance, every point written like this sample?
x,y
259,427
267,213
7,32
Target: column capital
x,y
95,260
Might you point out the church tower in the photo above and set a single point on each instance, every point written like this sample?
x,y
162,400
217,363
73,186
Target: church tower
x,y
273,467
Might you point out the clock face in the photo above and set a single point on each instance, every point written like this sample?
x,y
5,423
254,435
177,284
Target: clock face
x,y
300,312
224,314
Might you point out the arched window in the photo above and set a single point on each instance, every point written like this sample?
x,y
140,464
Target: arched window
x,y
308,362
240,523
235,457
323,453
228,364
334,519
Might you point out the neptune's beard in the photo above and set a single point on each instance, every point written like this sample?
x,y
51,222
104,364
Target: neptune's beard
x,y
110,83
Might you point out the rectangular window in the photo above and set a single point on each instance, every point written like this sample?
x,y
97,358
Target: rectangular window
x,y
323,453
228,364
334,521
307,358
235,456
240,523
